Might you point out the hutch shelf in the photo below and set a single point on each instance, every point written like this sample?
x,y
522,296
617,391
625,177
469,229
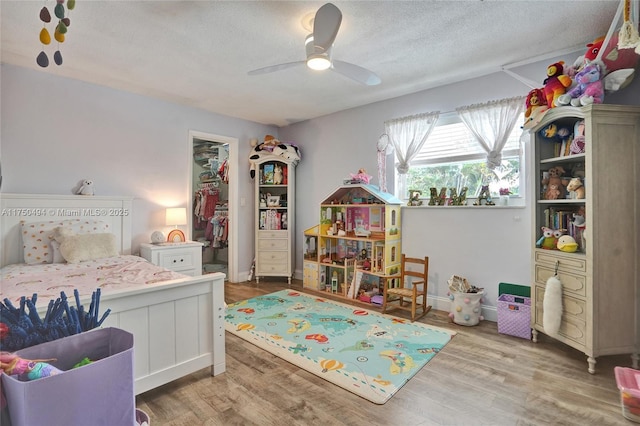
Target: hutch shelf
x,y
600,287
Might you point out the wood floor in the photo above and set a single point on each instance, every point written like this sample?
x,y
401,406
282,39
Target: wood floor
x,y
480,378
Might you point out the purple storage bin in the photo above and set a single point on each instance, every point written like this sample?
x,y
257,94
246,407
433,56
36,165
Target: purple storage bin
x,y
100,393
514,315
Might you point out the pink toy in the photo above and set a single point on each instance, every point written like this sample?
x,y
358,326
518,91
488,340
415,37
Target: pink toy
x,y
26,369
578,142
588,89
361,176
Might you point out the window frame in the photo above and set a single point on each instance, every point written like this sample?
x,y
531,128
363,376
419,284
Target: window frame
x,y
453,118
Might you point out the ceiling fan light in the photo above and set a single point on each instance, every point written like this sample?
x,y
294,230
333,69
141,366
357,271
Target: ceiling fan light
x,y
318,62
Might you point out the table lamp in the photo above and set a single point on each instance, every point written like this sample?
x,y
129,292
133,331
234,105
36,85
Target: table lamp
x,y
176,216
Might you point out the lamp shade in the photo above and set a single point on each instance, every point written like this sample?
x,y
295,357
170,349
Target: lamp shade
x,y
176,216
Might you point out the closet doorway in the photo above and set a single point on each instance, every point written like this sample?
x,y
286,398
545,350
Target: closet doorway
x,y
213,201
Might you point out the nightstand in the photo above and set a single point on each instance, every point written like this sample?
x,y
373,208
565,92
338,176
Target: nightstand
x,y
185,258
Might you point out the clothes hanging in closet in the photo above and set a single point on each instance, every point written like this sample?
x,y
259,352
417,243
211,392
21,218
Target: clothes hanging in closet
x,y
205,203
219,229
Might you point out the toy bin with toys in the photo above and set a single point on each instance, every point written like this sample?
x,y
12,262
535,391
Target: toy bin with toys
x,y
98,390
628,381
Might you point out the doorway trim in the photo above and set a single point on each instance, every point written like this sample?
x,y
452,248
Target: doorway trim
x,y
233,193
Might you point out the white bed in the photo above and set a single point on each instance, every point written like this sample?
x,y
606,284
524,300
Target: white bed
x,y
178,325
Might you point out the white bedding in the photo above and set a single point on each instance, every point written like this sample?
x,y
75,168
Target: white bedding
x,y
108,274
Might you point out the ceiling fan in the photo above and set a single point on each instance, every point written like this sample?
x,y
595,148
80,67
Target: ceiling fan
x,y
326,24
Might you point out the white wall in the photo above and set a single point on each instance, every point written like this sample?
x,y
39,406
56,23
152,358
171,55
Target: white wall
x,y
56,131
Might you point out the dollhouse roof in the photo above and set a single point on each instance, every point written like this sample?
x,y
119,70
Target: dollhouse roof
x,y
346,194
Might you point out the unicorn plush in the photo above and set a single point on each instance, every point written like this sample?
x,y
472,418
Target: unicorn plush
x,y
588,89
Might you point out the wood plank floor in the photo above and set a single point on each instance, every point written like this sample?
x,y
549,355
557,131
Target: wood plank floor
x,y
480,378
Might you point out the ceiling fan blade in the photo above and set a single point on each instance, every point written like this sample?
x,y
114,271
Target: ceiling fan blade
x,y
355,72
326,25
273,68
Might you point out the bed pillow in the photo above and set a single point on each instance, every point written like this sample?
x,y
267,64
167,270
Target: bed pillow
x,y
76,248
37,237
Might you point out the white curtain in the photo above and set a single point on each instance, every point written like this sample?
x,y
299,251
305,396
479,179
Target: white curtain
x,y
408,134
491,124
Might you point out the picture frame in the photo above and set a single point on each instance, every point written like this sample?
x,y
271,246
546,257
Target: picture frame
x,y
273,201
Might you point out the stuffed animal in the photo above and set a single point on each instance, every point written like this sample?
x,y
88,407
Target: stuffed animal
x,y
567,244
555,183
617,65
549,239
578,142
576,188
556,83
535,118
277,174
85,188
535,99
272,148
287,151
587,90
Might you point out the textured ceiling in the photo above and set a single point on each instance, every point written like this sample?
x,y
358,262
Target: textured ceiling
x,y
198,53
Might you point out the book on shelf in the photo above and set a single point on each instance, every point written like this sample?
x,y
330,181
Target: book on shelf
x,y
268,174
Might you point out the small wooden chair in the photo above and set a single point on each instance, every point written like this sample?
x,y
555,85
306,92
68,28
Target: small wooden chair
x,y
418,269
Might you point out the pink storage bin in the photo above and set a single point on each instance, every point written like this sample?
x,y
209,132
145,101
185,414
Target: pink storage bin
x,y
628,381
514,315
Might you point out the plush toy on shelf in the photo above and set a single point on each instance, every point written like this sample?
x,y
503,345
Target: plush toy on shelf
x,y
555,182
576,188
556,83
587,90
567,244
550,237
535,100
277,174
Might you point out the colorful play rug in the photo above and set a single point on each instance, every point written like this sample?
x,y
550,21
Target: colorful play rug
x,y
367,353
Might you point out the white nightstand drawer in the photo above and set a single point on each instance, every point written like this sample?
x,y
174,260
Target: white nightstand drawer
x,y
185,258
177,259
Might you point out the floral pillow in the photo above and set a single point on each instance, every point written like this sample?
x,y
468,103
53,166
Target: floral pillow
x,y
37,237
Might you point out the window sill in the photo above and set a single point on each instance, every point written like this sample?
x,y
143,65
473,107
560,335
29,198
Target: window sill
x,y
514,203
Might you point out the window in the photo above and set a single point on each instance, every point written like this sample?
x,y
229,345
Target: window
x,y
452,158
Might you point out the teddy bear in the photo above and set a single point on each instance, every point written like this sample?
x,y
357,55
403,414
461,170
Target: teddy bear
x,y
576,188
555,184
587,90
556,83
85,188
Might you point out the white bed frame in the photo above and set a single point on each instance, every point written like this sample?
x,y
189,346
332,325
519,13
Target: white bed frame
x,y
178,325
